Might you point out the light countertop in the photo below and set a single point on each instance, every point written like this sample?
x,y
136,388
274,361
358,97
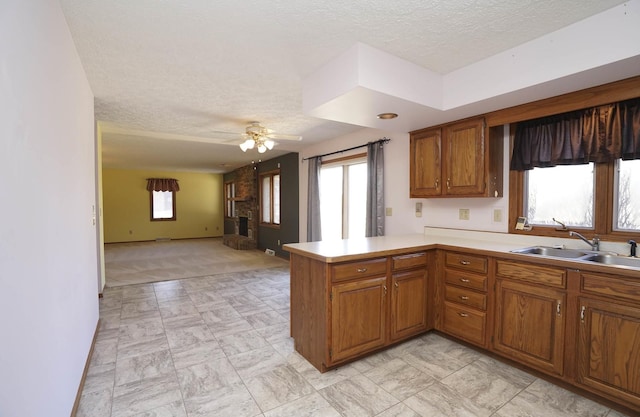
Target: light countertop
x,y
486,243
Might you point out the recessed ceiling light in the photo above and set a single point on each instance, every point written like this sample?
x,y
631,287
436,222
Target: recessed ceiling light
x,y
387,116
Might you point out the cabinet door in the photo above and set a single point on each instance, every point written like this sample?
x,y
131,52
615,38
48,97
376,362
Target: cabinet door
x,y
609,349
425,165
463,158
530,325
358,312
408,304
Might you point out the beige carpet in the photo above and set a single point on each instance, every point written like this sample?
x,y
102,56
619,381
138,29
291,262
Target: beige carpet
x,y
140,262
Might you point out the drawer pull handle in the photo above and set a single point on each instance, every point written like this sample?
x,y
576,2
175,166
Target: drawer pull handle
x,y
464,297
463,314
465,262
582,310
385,289
396,285
361,270
558,308
464,280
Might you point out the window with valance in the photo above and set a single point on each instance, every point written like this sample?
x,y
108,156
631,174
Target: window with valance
x,y
162,198
577,169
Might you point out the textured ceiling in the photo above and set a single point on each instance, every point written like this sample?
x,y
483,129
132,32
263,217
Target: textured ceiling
x,y
171,73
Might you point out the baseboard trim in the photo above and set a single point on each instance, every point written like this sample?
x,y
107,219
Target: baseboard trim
x,y
76,403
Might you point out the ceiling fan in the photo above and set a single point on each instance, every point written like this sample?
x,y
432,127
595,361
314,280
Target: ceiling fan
x,y
258,136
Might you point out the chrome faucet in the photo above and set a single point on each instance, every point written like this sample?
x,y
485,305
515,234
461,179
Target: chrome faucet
x,y
595,243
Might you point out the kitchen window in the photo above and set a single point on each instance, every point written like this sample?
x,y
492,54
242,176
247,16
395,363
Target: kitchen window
x,y
626,207
563,192
343,197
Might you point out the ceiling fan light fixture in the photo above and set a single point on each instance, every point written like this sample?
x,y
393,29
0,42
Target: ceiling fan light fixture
x,y
262,148
269,144
247,144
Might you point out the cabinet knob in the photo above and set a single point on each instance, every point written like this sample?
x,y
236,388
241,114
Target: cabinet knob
x,y
361,270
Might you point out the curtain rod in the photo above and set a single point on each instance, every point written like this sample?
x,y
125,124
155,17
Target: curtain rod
x,y
382,141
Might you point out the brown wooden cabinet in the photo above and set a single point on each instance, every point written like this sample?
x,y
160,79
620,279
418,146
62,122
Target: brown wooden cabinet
x,y
426,163
464,285
358,317
530,315
455,160
609,337
342,311
408,303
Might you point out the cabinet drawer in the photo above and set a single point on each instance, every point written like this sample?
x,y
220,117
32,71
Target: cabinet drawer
x,y
532,273
464,323
351,270
610,286
466,297
477,282
408,261
466,262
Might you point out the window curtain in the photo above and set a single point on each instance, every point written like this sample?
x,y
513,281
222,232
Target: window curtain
x,y
314,230
162,184
375,189
598,134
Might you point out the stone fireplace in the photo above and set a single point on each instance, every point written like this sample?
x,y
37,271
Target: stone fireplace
x,y
241,232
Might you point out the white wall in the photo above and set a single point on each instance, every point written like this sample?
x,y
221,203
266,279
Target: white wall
x,y
48,276
436,212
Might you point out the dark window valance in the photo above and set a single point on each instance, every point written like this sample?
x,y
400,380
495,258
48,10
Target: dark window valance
x,y
597,134
162,184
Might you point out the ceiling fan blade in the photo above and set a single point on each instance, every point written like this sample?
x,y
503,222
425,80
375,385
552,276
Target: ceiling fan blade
x,y
276,136
227,135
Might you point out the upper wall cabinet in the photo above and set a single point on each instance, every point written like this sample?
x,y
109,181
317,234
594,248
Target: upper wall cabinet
x,y
456,160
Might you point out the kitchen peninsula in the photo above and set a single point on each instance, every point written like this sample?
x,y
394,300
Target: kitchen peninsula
x,y
354,297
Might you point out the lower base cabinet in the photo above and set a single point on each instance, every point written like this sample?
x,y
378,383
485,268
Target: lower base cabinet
x,y
342,311
609,350
535,314
408,304
530,325
358,317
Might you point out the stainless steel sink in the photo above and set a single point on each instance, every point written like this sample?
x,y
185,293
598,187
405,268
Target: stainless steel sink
x,y
609,259
551,251
602,258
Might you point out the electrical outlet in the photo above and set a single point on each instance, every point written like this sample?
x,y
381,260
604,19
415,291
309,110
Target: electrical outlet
x,y
463,214
497,215
388,211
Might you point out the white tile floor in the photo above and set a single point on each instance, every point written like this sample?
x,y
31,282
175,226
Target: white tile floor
x,y
220,346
